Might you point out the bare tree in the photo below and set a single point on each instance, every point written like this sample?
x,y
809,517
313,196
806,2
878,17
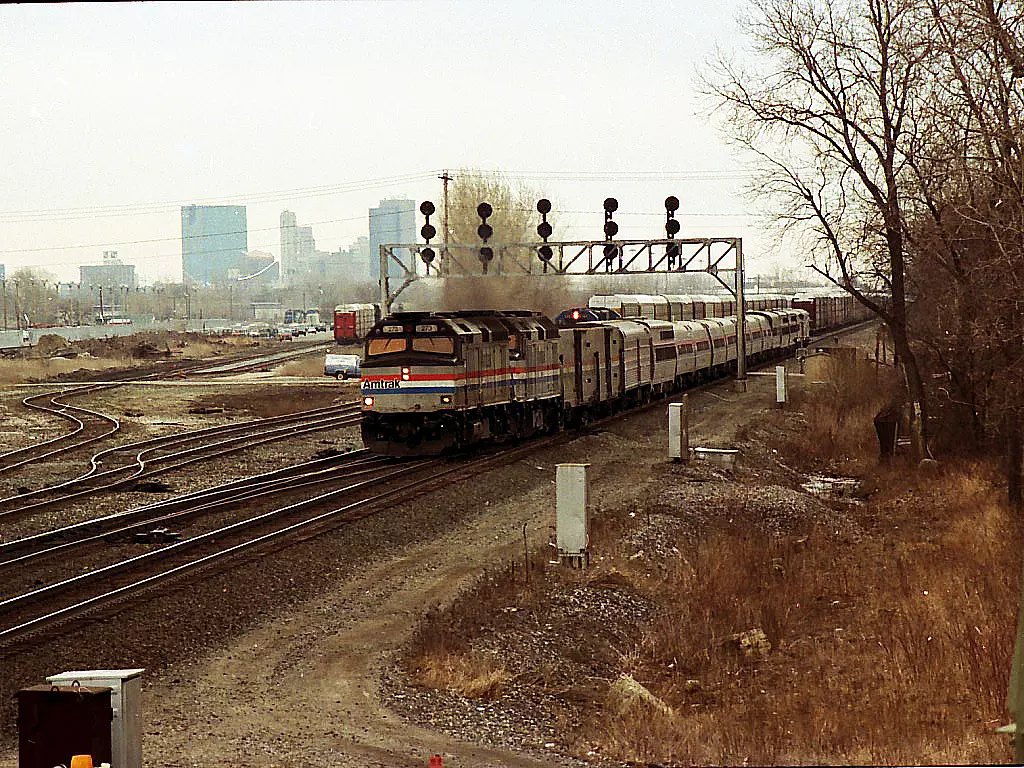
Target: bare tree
x,y
514,220
969,242
830,109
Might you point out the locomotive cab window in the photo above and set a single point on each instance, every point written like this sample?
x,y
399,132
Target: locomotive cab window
x,y
385,346
438,345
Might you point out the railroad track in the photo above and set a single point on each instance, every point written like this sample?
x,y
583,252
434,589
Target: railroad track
x,y
145,459
89,426
84,420
38,611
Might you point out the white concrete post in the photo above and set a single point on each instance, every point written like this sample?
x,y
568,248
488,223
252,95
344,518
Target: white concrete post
x,y
679,430
572,525
780,385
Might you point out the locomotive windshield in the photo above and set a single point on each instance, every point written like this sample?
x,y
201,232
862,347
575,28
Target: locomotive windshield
x,y
438,345
386,346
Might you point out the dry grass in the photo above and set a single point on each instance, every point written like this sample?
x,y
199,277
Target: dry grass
x,y
839,413
441,654
22,371
471,675
897,653
890,640
306,367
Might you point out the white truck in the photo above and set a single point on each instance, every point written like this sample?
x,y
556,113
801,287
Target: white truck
x,y
341,366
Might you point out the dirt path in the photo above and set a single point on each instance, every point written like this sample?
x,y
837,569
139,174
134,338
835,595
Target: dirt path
x,y
305,691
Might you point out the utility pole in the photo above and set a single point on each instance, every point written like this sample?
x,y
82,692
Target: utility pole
x,y
445,178
4,283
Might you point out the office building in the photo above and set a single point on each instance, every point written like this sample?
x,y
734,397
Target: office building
x,y
214,243
393,221
303,264
111,274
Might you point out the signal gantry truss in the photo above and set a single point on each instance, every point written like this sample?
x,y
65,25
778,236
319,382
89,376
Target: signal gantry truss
x,y
720,257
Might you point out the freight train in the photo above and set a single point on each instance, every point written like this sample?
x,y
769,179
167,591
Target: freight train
x,y
435,381
353,321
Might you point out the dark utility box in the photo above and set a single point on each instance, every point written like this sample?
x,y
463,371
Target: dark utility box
x,y
55,723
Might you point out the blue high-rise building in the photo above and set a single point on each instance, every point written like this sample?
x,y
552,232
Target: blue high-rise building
x,y
214,243
393,221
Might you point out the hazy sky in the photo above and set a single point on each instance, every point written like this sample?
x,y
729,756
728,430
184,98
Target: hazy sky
x,y
116,115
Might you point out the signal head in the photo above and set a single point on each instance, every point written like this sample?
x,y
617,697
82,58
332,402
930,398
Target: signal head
x,y
427,255
545,253
485,231
428,231
544,206
486,254
427,208
484,210
611,228
672,226
611,205
672,203
544,230
610,251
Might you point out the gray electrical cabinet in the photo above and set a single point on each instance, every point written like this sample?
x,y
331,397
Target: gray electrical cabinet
x,y
126,695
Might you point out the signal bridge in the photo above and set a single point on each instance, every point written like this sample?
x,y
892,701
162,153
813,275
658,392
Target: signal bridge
x,y
720,257
716,256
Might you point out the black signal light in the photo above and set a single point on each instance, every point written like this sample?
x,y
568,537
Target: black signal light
x,y
671,229
610,252
485,230
611,229
428,231
544,230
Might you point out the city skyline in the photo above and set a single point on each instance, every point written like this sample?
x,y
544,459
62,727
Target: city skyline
x,y
118,122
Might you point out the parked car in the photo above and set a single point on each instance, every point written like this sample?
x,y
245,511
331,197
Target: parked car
x,y
341,366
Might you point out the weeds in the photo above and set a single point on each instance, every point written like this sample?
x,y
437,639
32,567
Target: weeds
x,y
889,643
839,406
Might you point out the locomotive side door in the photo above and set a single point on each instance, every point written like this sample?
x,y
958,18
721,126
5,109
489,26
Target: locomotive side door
x,y
474,380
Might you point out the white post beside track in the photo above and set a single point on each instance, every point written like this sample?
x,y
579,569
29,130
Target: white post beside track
x,y
679,430
780,385
572,525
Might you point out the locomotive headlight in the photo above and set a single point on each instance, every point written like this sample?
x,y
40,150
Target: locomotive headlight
x,y
405,374
368,402
446,399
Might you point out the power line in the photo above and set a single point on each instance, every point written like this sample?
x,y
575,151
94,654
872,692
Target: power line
x,y
134,209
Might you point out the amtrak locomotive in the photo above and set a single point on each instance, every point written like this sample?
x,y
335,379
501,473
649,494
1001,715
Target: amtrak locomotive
x,y
433,381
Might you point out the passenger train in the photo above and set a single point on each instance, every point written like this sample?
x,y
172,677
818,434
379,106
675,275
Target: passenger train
x,y
824,311
435,381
